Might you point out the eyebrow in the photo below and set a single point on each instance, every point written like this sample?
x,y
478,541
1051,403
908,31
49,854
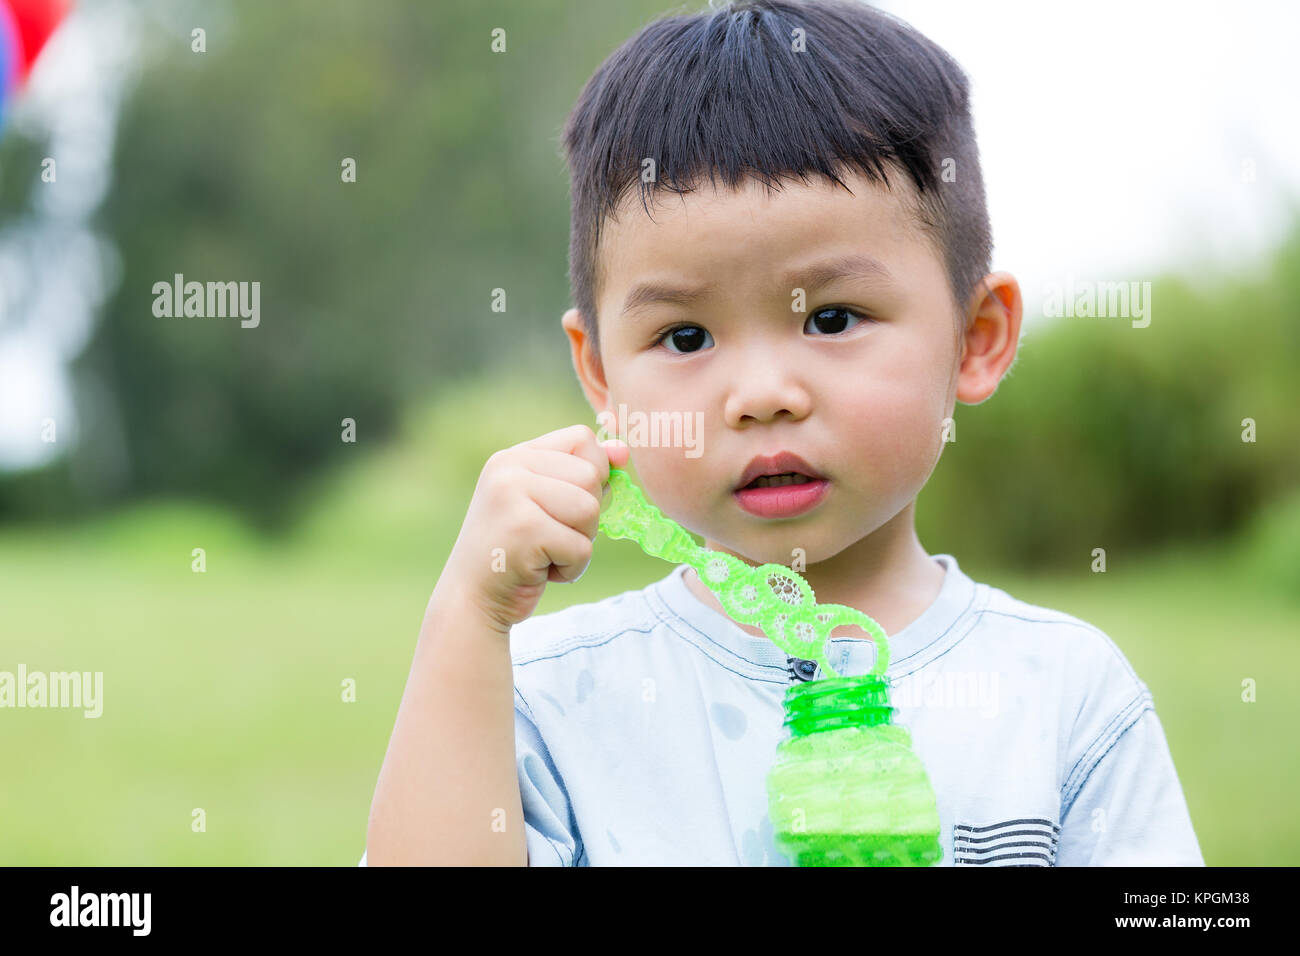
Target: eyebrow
x,y
855,266
653,293
811,277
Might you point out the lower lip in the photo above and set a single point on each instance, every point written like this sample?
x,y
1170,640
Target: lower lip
x,y
782,501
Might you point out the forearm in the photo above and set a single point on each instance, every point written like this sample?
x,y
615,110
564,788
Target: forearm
x,y
447,792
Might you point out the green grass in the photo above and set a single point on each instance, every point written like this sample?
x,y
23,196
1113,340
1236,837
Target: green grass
x,y
1194,628
222,690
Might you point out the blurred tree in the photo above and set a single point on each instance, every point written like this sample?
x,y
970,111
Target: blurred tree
x,y
1105,435
229,167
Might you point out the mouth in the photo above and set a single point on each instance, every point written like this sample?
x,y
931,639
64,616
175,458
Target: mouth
x,y
780,486
777,481
771,471
782,496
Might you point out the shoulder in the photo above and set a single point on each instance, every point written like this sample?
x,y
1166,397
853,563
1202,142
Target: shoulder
x,y
1075,669
1089,655
548,636
578,645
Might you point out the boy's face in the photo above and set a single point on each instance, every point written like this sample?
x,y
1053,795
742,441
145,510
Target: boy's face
x,y
857,383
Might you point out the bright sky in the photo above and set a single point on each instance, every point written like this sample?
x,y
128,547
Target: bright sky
x,y
1117,139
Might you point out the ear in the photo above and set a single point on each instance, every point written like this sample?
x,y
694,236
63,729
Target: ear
x,y
991,338
586,361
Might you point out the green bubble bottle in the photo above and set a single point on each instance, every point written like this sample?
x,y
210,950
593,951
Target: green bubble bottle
x,y
846,788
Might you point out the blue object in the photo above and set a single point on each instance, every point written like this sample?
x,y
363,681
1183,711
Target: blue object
x,y
8,58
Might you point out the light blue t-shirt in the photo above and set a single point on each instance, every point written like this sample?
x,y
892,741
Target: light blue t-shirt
x,y
646,723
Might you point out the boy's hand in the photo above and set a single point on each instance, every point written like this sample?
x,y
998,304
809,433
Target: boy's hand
x,y
539,502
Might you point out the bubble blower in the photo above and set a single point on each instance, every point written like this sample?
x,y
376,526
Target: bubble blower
x,y
846,788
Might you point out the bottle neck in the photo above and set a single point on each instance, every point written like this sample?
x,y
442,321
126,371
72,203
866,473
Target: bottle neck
x,y
837,702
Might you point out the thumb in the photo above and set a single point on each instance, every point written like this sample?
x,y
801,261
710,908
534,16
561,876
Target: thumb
x,y
618,452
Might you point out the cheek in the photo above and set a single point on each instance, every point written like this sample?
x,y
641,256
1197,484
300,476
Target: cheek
x,y
673,482
633,386
895,429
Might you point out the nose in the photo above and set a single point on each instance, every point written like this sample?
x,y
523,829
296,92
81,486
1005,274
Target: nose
x,y
764,388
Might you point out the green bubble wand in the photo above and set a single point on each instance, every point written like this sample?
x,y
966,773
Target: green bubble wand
x,y
771,596
845,764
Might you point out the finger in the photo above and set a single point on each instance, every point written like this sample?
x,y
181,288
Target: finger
x,y
568,552
618,452
577,440
568,504
564,467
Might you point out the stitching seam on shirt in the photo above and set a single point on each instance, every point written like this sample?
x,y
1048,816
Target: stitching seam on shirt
x,y
961,615
559,778
528,710
1088,776
553,845
672,619
1114,648
1132,710
727,667
560,648
576,646
926,663
1105,732
1102,735
649,630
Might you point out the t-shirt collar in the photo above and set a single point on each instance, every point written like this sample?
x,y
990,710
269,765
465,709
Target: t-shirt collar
x,y
849,655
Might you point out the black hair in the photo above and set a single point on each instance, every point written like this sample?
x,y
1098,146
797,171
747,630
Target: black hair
x,y
727,92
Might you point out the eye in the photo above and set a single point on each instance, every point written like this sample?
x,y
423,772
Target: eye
x,y
686,338
835,320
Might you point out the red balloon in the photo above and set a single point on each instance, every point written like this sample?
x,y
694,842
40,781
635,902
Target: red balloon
x,y
35,20
11,53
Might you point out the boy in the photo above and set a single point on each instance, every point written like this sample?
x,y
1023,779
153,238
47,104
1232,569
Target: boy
x,y
822,329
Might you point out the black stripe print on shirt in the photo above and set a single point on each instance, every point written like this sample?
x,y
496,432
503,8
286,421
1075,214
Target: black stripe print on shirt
x,y
1024,841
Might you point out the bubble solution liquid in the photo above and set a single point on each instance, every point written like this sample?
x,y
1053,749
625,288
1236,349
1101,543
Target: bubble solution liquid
x,y
846,789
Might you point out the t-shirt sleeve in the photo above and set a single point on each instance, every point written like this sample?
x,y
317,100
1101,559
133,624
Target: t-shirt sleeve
x,y
551,832
548,817
1123,804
